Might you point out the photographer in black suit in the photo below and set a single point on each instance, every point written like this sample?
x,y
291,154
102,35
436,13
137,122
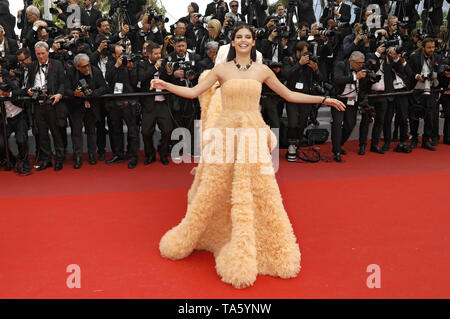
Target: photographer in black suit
x,y
350,85
155,108
183,68
83,81
121,75
16,123
255,12
301,73
8,48
341,13
46,79
92,16
432,16
216,10
422,71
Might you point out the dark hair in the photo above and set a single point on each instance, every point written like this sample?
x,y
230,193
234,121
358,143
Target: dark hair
x,y
232,51
195,7
152,46
426,40
300,45
25,52
303,24
99,21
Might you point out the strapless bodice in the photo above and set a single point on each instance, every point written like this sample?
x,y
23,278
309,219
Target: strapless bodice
x,y
241,95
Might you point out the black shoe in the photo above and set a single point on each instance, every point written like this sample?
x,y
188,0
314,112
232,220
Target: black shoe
x,y
434,141
386,147
403,148
150,160
362,149
343,152
115,159
58,166
337,157
77,163
133,163
44,165
92,159
414,143
376,149
428,146
164,160
101,156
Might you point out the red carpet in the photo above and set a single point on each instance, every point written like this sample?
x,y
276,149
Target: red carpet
x,y
391,210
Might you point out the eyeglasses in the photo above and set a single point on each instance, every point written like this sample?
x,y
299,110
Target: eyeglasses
x,y
83,66
359,63
234,6
21,60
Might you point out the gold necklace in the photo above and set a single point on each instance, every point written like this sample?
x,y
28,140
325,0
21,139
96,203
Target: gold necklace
x,y
243,68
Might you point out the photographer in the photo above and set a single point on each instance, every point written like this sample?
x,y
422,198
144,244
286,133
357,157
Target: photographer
x,y
183,69
274,47
92,16
16,122
104,32
178,31
383,67
46,86
401,83
301,73
341,13
406,12
209,61
121,75
198,33
83,82
350,86
155,108
39,32
280,14
422,70
254,11
302,35
132,8
237,17
148,31
66,10
358,41
8,48
216,10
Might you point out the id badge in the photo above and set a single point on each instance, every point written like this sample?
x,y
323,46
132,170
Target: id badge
x,y
299,86
351,101
118,88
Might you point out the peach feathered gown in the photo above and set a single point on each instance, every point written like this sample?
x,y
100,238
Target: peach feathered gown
x,y
235,209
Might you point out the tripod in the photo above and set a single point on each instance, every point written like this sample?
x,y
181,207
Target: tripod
x,y
291,12
427,25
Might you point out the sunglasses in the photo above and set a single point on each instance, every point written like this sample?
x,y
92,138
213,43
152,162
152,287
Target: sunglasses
x,y
234,6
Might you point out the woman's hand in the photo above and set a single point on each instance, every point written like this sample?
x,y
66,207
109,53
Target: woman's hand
x,y
158,84
338,105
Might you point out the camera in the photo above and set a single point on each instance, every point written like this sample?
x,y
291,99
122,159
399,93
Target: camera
x,y
312,57
186,66
39,96
260,32
87,28
154,15
203,19
326,33
83,86
388,43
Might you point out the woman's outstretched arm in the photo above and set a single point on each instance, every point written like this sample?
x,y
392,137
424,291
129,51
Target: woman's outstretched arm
x,y
296,97
189,93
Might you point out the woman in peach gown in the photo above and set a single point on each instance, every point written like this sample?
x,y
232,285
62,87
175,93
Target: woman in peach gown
x,y
235,208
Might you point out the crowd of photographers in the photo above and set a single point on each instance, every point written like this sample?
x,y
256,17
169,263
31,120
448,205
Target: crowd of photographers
x,y
54,77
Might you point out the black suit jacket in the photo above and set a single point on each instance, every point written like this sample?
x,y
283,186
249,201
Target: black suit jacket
x,y
415,64
146,73
219,14
55,76
260,12
95,82
343,75
195,58
305,11
10,50
295,73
